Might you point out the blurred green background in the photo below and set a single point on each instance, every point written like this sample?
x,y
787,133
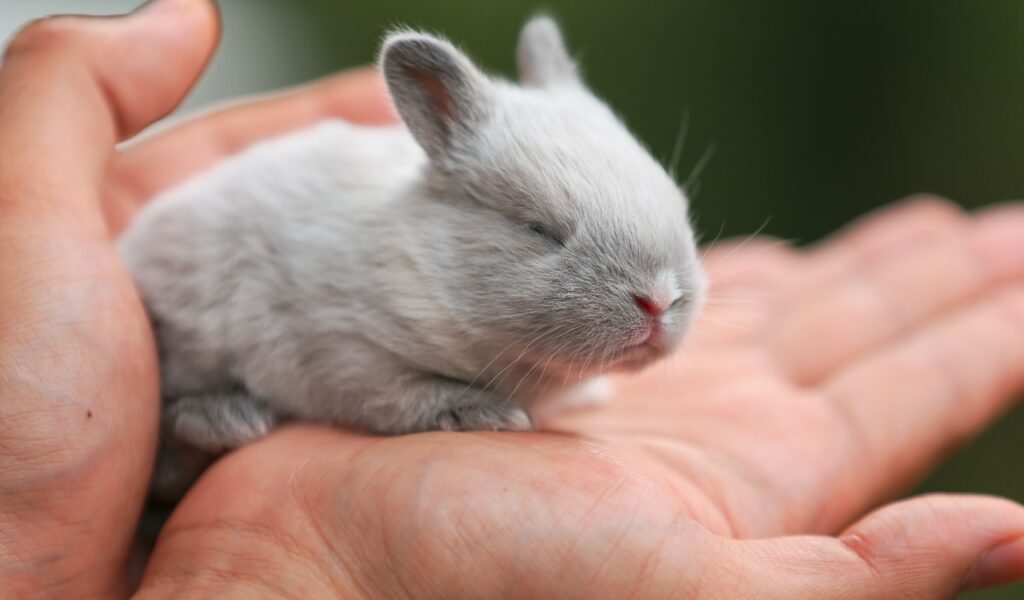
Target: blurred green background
x,y
818,111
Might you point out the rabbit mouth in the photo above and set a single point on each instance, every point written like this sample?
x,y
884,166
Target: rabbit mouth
x,y
636,351
636,359
627,357
636,355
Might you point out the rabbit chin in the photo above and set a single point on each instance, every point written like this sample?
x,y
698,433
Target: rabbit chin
x,y
637,357
625,359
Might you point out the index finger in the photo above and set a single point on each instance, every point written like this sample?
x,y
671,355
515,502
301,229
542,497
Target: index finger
x,y
152,165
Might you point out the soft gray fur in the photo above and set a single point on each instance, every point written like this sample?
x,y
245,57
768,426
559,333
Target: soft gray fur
x,y
396,283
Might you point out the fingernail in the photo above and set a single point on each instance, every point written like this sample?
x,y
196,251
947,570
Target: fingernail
x,y
1002,565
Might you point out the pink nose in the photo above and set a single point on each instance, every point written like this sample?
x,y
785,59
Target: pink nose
x,y
650,307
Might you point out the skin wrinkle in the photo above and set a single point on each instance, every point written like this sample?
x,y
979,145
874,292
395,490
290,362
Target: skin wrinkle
x,y
111,98
295,547
463,533
346,567
553,516
233,528
714,500
731,460
645,581
41,450
701,573
731,465
620,538
855,442
49,567
408,539
859,548
599,503
332,541
932,514
209,576
481,543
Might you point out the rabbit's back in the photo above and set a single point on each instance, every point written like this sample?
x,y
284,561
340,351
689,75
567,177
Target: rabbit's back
x,y
234,264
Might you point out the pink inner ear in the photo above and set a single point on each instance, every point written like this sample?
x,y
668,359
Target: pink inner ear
x,y
438,93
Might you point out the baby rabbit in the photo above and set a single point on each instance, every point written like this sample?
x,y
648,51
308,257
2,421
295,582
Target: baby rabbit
x,y
509,243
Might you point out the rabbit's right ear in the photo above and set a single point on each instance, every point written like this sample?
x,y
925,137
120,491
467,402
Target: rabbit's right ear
x,y
541,54
438,92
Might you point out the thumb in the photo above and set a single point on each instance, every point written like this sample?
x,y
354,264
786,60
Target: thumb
x,y
71,87
927,547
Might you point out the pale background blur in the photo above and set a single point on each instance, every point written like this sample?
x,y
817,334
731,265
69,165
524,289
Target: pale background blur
x,y
266,42
819,111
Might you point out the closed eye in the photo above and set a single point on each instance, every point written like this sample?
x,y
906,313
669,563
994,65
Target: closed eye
x,y
547,233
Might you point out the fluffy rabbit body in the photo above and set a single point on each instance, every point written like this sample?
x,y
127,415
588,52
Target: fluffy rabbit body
x,y
509,243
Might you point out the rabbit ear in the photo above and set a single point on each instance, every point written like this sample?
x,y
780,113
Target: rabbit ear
x,y
543,59
438,92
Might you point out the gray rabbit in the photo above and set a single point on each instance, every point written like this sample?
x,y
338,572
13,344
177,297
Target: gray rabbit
x,y
513,242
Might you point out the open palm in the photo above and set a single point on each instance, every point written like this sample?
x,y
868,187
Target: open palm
x,y
818,384
758,433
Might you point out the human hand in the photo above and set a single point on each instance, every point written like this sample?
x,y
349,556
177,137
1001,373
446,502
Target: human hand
x,y
78,374
704,478
820,383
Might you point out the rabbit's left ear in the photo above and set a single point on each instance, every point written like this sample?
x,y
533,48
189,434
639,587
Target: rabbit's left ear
x,y
437,90
542,57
